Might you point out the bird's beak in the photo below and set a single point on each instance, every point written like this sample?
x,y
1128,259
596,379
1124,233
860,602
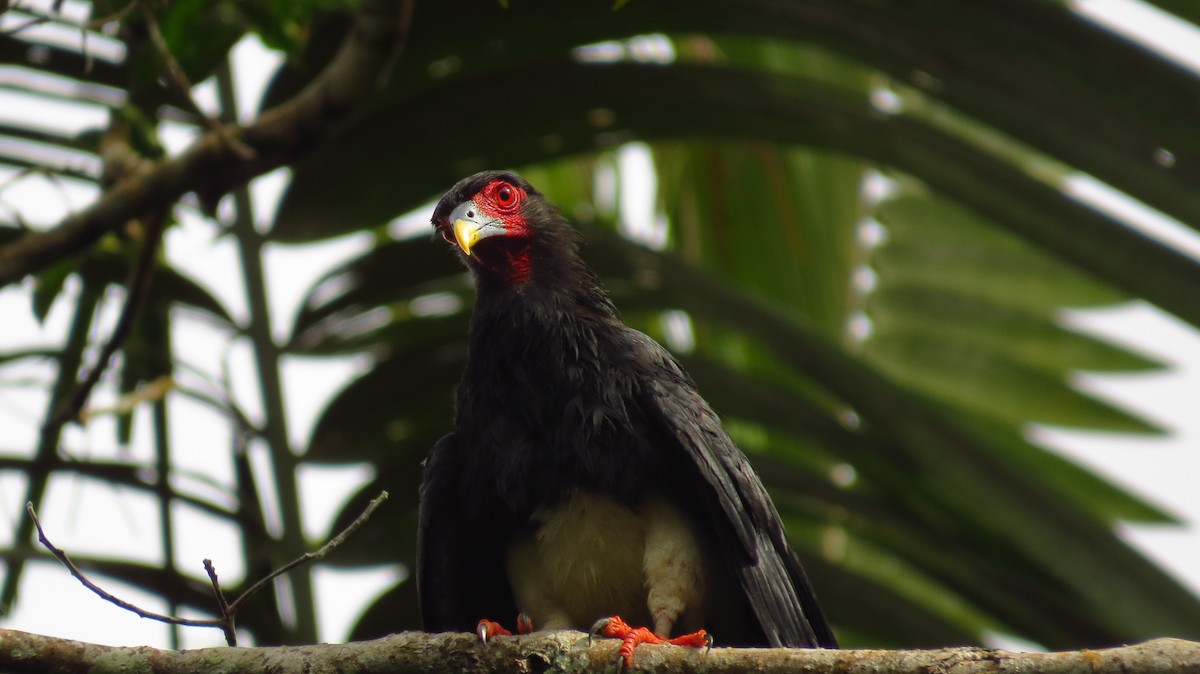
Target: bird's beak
x,y
466,233
470,226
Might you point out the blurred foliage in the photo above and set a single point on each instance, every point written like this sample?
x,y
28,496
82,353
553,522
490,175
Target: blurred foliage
x,y
861,247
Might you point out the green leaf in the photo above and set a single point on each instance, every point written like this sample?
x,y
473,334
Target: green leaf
x,y
418,385
989,385
967,313
964,473
221,23
48,286
347,305
936,243
735,201
902,592
1028,337
167,287
1104,500
711,102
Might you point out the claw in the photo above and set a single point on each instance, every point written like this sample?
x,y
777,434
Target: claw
x,y
486,629
598,627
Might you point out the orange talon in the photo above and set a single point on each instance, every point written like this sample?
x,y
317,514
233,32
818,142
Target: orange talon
x,y
631,637
486,629
695,640
524,624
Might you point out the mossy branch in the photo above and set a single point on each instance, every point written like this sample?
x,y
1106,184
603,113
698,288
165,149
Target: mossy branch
x,y
570,652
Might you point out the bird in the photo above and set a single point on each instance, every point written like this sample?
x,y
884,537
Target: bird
x,y
586,484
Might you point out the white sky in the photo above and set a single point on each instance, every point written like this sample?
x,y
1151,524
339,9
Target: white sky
x,y
87,517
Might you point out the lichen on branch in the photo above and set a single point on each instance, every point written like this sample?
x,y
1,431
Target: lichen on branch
x,y
570,652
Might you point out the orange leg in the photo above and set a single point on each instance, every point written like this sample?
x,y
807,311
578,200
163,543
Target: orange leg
x,y
631,637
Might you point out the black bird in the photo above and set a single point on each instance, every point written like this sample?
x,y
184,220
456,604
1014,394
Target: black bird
x,y
586,477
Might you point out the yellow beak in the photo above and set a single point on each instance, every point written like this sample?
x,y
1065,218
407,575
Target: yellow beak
x,y
466,233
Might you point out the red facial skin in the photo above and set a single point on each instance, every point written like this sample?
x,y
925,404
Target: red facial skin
x,y
502,201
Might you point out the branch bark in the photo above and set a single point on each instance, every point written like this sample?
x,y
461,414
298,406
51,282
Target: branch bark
x,y
570,652
214,165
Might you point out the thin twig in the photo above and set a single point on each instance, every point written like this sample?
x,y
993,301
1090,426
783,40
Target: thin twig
x,y
228,610
227,614
313,556
179,79
141,612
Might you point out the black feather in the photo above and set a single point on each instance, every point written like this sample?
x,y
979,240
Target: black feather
x,y
559,395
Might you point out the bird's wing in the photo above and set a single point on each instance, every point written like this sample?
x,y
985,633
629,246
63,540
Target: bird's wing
x,y
770,573
459,579
437,539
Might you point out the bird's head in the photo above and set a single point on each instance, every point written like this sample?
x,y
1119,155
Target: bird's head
x,y
517,244
495,219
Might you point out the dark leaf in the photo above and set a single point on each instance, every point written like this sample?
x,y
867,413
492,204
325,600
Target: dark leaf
x,y
48,285
394,611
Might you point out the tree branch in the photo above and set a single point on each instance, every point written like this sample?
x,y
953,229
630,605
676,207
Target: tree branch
x,y
569,651
213,166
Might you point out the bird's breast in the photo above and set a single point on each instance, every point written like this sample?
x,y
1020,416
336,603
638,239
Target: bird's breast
x,y
592,556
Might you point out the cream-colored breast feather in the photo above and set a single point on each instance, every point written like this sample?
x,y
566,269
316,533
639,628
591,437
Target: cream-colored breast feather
x,y
592,557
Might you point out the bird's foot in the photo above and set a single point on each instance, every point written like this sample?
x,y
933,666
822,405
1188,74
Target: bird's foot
x,y
632,636
524,624
486,629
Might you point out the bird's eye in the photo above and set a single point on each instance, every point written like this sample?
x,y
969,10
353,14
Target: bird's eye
x,y
506,196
